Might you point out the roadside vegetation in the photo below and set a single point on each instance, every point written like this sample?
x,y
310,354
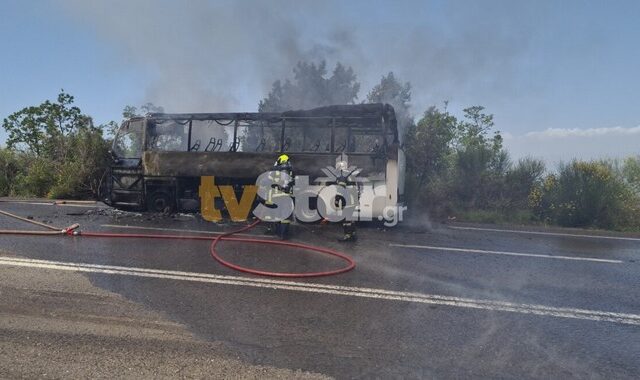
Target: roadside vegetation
x,y
53,150
457,167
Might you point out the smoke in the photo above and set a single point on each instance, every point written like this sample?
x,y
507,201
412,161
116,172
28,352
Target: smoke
x,y
224,56
418,222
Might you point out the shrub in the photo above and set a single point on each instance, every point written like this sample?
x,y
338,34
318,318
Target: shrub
x,y
75,174
37,179
63,154
521,180
586,194
79,175
478,177
433,196
10,167
631,172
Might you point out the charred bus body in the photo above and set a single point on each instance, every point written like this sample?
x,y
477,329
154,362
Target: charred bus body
x,y
158,159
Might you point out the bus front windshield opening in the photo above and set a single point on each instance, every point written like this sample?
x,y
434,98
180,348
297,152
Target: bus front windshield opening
x,y
128,143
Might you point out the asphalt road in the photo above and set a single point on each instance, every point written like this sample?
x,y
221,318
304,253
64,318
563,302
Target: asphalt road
x,y
423,301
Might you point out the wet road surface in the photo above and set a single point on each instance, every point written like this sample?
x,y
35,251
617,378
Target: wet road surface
x,y
444,301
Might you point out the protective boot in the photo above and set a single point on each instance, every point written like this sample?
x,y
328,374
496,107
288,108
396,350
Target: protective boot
x,y
348,238
272,228
283,231
349,232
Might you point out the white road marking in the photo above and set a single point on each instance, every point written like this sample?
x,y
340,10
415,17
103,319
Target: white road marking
x,y
179,230
467,250
52,204
546,233
542,310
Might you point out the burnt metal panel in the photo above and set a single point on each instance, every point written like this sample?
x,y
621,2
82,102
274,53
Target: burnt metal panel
x,y
267,116
246,164
348,115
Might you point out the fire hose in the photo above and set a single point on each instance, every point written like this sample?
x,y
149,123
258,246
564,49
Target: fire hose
x,y
72,230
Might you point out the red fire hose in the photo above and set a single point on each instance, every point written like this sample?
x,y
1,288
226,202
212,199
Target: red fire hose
x,y
214,254
72,231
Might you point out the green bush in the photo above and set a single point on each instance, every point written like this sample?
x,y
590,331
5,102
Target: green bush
x,y
433,196
37,179
68,182
455,164
587,194
79,175
478,177
75,174
10,167
520,180
54,150
631,172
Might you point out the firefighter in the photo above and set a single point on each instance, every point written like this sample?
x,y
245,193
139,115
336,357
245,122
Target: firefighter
x,y
348,226
282,165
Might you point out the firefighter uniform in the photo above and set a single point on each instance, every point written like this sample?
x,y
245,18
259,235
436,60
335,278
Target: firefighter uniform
x,y
348,226
282,165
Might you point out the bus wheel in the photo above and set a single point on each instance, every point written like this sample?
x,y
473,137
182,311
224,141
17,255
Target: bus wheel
x,y
160,201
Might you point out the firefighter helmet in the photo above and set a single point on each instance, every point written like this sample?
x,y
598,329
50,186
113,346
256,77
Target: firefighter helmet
x,y
283,159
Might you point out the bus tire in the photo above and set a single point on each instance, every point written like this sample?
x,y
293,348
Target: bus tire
x,y
160,201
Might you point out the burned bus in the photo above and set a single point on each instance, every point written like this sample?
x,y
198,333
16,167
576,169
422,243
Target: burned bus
x,y
159,159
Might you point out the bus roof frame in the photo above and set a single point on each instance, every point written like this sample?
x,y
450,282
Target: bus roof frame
x,y
351,113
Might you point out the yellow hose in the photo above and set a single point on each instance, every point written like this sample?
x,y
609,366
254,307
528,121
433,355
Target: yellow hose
x,y
27,232
30,221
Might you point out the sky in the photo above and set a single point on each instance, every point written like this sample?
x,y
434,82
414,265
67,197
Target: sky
x,y
560,77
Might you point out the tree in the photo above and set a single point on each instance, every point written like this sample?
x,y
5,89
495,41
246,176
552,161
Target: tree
x,y
61,152
428,145
454,161
41,129
391,90
473,131
26,130
481,163
311,88
131,111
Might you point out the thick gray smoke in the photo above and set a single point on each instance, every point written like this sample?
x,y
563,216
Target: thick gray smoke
x,y
224,56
